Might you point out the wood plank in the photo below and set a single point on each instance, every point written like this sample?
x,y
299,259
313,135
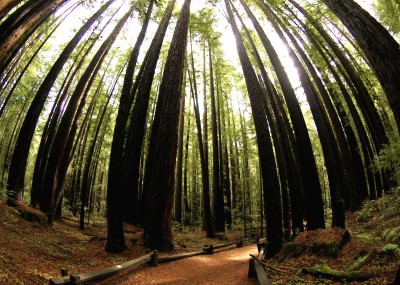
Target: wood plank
x,y
59,280
180,256
101,274
261,275
107,272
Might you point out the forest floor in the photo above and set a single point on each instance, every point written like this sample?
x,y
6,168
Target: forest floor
x,y
31,251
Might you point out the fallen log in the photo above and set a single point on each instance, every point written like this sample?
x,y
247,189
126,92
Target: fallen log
x,y
338,275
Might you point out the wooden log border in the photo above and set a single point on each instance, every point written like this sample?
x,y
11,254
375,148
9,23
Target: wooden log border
x,y
151,257
98,275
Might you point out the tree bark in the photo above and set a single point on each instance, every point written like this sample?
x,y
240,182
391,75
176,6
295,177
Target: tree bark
x,y
136,129
7,5
314,213
179,164
161,161
20,156
116,185
379,47
219,219
26,19
272,197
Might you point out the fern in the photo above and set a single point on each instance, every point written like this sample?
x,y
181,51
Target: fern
x,y
389,159
391,235
389,249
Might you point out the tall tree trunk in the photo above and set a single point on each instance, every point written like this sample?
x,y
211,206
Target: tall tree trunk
x,y
20,156
272,197
186,201
51,125
60,153
13,29
287,179
203,146
7,5
379,47
219,219
314,213
115,186
226,168
334,145
179,164
363,98
161,161
137,128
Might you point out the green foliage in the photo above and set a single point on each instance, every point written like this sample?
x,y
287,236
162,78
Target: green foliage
x,y
389,159
329,249
358,262
366,237
390,249
389,13
290,249
391,234
296,280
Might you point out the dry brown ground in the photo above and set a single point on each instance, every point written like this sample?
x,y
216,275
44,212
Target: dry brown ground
x,y
31,252
225,267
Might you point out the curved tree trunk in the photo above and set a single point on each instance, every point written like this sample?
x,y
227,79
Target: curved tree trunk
x,y
329,130
24,20
7,5
161,161
21,74
314,213
20,156
289,172
61,149
379,47
361,95
272,197
136,130
115,184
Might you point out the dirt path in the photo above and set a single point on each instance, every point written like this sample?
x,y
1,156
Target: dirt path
x,y
225,267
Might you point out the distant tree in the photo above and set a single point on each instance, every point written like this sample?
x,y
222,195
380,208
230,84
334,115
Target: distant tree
x,y
205,176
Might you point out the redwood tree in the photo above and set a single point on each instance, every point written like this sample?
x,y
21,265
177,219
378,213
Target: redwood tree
x,y
159,178
380,48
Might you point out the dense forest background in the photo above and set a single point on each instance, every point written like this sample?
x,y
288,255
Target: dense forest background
x,y
268,116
